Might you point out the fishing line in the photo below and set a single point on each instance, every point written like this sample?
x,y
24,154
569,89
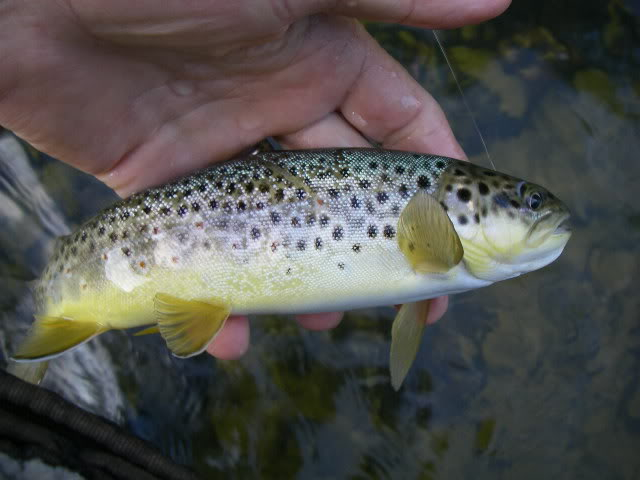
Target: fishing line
x,y
464,98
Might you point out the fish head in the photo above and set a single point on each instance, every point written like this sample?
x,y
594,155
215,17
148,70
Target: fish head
x,y
507,226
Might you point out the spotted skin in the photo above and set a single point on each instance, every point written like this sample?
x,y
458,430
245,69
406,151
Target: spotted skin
x,y
289,231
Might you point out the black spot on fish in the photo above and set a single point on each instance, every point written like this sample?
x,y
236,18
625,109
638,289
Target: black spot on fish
x,y
288,272
301,245
255,233
355,203
113,236
311,219
275,218
182,211
510,214
300,193
449,187
514,204
483,189
74,250
83,237
333,193
264,188
101,231
501,199
213,204
416,156
147,209
195,206
440,164
403,191
399,169
423,182
318,243
165,210
344,172
295,222
458,173
341,266
462,219
373,165
170,194
382,197
124,215
356,248
242,206
231,188
182,237
293,171
338,233
365,184
279,195
187,192
324,221
202,187
372,231
259,205
370,208
467,181
395,209
389,231
112,219
226,206
464,195
249,186
476,217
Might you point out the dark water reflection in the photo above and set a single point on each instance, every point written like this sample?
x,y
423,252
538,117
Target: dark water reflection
x,y
532,378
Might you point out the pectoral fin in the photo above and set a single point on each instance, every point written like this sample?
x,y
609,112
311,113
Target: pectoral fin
x,y
406,334
189,325
51,336
427,237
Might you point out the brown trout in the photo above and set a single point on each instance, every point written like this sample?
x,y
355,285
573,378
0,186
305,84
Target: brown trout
x,y
293,232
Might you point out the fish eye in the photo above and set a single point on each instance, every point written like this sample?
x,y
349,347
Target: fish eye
x,y
535,201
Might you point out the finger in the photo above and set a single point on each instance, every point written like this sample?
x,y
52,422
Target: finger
x,y
233,340
424,13
403,116
331,131
437,309
320,321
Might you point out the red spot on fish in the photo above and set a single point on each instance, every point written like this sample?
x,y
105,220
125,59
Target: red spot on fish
x,y
104,256
274,246
174,259
142,264
156,230
320,202
199,225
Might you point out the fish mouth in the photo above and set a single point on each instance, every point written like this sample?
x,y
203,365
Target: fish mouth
x,y
548,225
564,226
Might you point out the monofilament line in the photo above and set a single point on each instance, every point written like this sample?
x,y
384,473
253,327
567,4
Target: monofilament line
x,y
464,98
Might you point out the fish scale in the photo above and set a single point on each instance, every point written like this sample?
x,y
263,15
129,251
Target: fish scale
x,y
293,232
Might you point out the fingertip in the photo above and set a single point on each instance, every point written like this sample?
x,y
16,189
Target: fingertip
x,y
320,321
437,309
233,340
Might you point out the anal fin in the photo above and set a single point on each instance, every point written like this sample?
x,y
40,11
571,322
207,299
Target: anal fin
x,y
147,331
189,325
406,335
52,336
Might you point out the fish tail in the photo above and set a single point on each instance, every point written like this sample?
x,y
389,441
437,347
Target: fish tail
x,y
50,337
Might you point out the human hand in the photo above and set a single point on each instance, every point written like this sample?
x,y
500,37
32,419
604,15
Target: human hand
x,y
140,93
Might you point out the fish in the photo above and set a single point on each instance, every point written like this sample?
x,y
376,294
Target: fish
x,y
286,232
